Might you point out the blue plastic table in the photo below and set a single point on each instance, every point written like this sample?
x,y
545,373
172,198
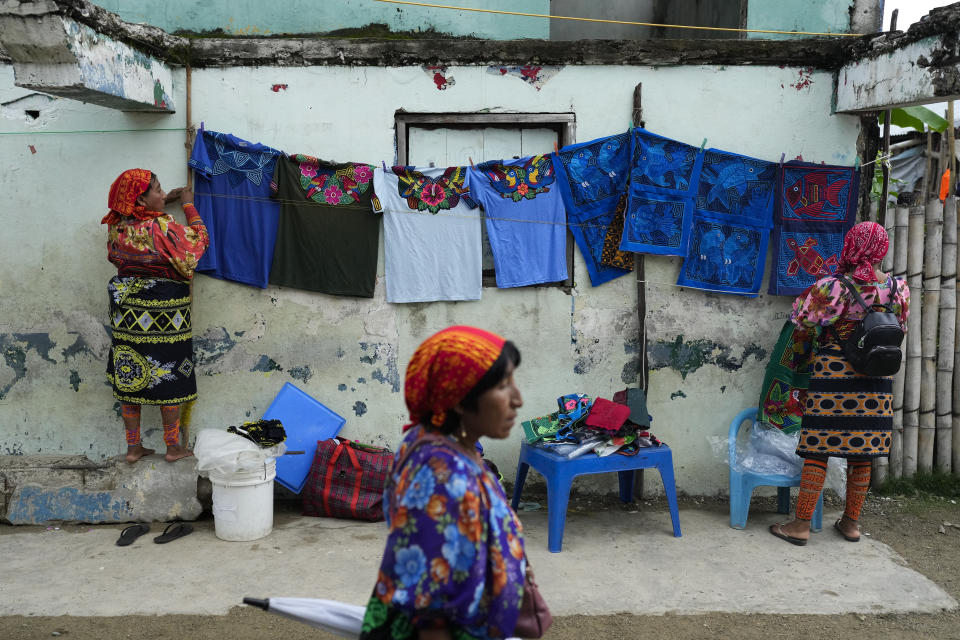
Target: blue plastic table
x,y
559,473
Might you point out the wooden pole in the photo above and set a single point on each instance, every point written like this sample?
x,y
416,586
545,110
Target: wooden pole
x,y
885,165
640,269
945,351
911,391
932,263
186,409
899,271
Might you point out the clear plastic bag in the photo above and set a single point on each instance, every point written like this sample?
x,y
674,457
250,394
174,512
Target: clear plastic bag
x,y
225,453
769,450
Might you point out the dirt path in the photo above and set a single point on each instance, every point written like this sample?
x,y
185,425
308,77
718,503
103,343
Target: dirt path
x,y
912,528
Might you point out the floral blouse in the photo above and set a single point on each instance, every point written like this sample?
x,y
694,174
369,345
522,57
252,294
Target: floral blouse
x,y
454,556
828,303
159,247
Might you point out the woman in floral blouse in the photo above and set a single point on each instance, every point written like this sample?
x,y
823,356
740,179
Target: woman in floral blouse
x,y
454,563
151,357
847,414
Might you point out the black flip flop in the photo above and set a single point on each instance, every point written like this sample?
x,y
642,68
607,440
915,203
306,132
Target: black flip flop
x,y
131,533
173,531
836,525
777,531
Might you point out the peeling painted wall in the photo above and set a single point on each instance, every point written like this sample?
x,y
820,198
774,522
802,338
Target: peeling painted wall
x,y
707,351
250,18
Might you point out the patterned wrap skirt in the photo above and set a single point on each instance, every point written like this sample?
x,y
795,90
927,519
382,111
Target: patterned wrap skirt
x,y
151,357
847,415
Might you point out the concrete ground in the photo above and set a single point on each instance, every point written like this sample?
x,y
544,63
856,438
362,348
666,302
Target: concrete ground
x,y
611,562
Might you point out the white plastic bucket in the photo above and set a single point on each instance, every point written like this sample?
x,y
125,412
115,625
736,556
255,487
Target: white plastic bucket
x,y
243,503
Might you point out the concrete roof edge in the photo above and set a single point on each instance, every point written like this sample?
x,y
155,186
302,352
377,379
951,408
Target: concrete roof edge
x,y
827,53
941,21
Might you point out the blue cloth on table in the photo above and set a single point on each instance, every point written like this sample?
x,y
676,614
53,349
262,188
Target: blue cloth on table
x,y
233,197
726,255
816,206
663,178
592,176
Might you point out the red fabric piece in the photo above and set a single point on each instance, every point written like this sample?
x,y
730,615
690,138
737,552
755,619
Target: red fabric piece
x,y
608,415
347,480
620,397
864,245
122,200
158,247
445,368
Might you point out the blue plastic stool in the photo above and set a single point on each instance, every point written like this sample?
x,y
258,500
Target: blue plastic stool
x,y
559,473
743,482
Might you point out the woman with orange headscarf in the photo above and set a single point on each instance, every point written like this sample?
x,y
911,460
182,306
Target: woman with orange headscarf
x,y
151,357
454,563
847,414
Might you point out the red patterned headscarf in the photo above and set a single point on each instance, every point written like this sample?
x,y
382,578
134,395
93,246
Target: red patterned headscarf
x,y
864,245
445,368
130,185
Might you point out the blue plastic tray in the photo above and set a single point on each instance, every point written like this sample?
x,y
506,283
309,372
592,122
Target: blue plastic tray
x,y
306,421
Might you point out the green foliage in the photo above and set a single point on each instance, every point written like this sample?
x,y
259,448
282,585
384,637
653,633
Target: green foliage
x,y
916,118
923,485
876,189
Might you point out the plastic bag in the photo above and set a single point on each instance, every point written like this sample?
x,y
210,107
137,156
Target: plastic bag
x,y
227,453
769,450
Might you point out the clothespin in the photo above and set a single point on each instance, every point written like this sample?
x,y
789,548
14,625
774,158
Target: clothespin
x,y
555,149
432,165
384,163
703,144
782,156
856,164
471,160
201,126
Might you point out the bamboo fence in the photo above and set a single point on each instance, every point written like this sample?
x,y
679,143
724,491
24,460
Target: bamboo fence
x,y
926,390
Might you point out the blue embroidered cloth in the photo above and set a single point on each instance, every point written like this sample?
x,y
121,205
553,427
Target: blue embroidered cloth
x,y
734,201
234,198
816,206
663,178
726,255
592,176
736,185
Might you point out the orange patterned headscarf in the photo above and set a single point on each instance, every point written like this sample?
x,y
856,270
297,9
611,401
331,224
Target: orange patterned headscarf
x,y
445,368
130,185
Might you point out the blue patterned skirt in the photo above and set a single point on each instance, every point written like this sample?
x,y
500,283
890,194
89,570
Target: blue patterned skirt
x,y
151,357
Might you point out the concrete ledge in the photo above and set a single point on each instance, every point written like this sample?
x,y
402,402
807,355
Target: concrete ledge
x,y
40,489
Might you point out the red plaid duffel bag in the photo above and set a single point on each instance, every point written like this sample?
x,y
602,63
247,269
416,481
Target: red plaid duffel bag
x,y
346,480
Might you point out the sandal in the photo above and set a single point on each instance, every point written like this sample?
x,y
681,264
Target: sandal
x,y
173,531
777,531
131,533
836,525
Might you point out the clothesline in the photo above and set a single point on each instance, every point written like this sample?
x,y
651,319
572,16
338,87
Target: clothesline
x,y
626,22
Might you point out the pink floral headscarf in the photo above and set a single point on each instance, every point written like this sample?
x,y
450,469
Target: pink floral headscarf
x,y
864,245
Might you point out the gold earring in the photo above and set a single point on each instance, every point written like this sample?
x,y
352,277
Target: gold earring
x,y
463,432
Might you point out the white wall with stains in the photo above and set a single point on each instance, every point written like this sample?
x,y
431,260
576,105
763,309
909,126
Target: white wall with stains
x,y
707,351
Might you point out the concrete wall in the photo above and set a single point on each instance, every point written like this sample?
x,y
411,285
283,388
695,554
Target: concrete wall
x,y
707,351
820,16
254,17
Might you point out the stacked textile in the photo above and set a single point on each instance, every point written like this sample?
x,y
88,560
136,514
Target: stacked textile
x,y
582,424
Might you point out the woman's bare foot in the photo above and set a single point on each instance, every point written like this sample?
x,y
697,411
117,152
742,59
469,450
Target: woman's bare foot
x,y
137,451
799,529
175,452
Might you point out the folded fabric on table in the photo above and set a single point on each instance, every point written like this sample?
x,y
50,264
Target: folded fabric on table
x,y
607,415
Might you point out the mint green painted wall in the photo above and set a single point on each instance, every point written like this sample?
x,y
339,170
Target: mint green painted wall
x,y
261,17
822,16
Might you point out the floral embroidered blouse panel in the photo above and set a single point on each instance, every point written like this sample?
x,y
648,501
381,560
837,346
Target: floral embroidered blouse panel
x,y
159,247
828,303
454,555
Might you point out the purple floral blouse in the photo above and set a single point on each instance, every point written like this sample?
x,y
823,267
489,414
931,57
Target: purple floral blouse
x,y
828,303
454,555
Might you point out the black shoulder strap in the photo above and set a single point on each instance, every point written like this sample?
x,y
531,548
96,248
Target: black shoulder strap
x,y
888,306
